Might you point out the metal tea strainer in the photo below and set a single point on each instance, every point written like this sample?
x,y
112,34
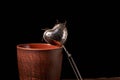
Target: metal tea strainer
x,y
58,36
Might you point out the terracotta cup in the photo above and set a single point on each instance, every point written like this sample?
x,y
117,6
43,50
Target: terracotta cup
x,y
39,61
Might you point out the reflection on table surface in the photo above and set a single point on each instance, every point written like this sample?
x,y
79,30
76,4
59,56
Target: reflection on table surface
x,y
113,78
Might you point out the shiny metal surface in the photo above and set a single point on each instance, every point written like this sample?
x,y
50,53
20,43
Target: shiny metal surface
x,y
57,34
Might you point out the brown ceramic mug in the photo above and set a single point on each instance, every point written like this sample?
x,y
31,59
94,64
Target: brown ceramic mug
x,y
39,61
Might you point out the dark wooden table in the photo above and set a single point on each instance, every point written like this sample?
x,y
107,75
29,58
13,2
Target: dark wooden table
x,y
114,78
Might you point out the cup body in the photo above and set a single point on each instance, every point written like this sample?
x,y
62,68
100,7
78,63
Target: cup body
x,y
39,61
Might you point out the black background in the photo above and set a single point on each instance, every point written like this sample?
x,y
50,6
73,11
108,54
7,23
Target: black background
x,y
92,40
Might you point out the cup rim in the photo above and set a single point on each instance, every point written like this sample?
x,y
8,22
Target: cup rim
x,y
26,46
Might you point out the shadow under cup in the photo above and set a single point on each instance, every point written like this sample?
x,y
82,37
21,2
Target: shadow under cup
x,y
39,61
